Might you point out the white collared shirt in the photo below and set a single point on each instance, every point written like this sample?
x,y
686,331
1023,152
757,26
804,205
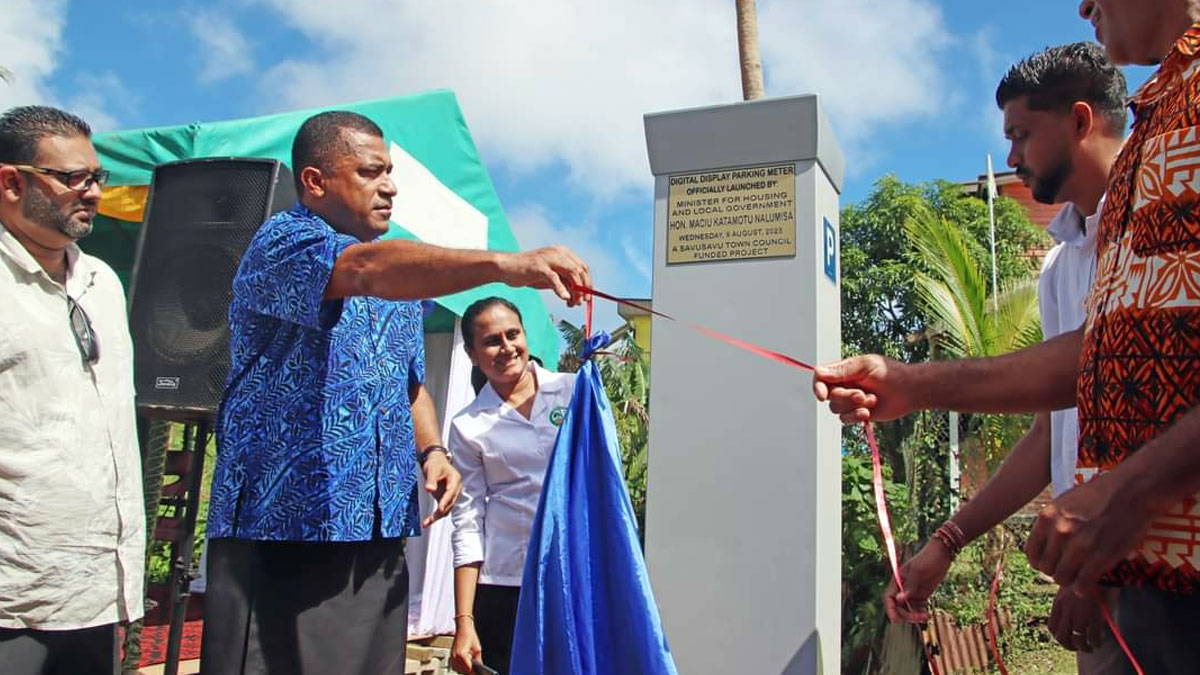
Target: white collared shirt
x,y
503,458
1067,275
72,522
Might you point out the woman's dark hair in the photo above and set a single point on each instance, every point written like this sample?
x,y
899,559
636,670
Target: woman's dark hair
x,y
467,325
479,307
478,379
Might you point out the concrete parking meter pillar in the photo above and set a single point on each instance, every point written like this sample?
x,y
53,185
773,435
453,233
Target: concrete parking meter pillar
x,y
743,516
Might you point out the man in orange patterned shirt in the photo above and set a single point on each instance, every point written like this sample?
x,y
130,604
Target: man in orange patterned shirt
x,y
1133,369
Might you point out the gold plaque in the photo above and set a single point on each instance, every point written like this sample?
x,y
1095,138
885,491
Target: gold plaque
x,y
732,214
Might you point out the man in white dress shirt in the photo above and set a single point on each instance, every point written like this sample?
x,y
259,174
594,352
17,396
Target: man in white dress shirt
x,y
72,528
1065,117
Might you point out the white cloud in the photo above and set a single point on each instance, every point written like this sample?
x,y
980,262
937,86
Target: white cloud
x,y
224,51
31,48
100,99
549,82
638,256
873,62
541,82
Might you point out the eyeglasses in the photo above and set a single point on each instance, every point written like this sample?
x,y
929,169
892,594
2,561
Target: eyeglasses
x,y
80,180
85,337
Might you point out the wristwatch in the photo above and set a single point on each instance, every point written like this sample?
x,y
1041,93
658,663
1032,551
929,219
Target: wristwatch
x,y
424,454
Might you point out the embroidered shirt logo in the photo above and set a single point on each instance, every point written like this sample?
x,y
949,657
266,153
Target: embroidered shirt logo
x,y
558,415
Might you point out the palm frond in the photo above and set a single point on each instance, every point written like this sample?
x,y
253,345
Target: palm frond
x,y
944,250
952,330
572,335
1017,320
954,292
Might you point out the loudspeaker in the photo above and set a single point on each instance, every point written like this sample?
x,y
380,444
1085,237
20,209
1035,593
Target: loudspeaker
x,y
200,216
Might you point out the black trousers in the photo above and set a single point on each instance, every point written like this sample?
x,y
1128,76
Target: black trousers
x,y
305,608
1162,629
85,651
495,619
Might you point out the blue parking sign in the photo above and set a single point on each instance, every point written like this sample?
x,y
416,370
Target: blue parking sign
x,y
830,247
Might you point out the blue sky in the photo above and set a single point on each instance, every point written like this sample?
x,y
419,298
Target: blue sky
x,y
553,90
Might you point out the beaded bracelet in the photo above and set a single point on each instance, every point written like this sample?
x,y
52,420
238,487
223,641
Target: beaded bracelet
x,y
951,536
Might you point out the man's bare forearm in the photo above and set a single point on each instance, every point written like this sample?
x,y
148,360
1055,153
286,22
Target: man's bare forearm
x,y
424,417
399,269
1024,474
1034,379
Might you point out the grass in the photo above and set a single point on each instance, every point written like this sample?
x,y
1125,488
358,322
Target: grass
x,y
1049,661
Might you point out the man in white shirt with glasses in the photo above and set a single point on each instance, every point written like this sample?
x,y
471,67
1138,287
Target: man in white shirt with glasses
x,y
72,528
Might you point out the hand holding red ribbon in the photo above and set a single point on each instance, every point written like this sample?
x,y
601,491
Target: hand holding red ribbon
x,y
885,525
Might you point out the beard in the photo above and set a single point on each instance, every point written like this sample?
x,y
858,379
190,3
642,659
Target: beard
x,y
39,209
1046,187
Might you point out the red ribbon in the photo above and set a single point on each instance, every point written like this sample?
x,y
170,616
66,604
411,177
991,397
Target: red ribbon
x,y
741,344
885,523
1112,626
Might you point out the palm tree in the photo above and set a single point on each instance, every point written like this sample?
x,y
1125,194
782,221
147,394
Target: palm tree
x,y
955,293
6,75
572,338
625,371
964,321
747,30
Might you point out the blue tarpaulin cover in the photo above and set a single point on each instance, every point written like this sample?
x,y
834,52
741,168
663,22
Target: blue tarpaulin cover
x,y
586,607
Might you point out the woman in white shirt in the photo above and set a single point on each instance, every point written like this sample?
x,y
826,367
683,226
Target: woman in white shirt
x,y
501,443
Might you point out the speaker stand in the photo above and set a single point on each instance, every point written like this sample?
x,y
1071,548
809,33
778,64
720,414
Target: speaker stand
x,y
195,440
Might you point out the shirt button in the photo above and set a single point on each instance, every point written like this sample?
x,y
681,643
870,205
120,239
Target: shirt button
x,y
383,411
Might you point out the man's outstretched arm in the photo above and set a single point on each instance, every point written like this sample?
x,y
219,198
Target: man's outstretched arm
x,y
399,269
872,387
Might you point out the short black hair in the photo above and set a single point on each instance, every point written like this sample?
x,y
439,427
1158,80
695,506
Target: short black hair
x,y
22,128
467,325
319,140
1057,77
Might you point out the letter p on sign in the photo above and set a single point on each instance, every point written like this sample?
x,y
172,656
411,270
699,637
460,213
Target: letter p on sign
x,y
830,248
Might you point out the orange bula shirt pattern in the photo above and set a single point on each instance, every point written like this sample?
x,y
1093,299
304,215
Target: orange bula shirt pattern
x,y
1140,369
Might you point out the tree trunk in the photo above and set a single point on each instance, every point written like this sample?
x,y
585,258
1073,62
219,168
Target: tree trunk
x,y
747,24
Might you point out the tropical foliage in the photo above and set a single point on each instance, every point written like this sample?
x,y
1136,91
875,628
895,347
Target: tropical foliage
x,y
963,321
625,370
914,288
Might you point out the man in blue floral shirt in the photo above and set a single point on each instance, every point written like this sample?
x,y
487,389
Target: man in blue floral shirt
x,y
326,418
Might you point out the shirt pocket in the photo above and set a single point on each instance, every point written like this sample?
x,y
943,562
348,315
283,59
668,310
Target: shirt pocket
x,y
1166,194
